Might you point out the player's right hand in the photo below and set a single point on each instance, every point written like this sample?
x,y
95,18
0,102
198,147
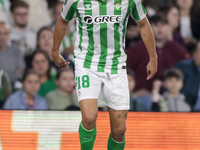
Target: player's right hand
x,y
60,61
152,68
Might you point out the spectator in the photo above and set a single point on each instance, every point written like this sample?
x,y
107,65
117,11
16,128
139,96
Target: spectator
x,y
65,96
189,19
5,89
27,99
41,63
22,36
172,100
39,14
45,43
172,14
191,72
132,33
45,40
11,60
169,53
56,13
136,103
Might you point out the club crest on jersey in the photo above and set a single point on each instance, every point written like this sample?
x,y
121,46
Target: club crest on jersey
x,y
117,5
88,6
102,19
79,93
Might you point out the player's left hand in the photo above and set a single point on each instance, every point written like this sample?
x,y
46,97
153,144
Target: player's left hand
x,y
152,68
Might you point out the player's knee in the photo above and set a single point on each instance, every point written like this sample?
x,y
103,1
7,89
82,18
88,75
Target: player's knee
x,y
89,120
119,132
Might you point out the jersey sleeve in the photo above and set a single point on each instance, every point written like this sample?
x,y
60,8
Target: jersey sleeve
x,y
69,9
138,11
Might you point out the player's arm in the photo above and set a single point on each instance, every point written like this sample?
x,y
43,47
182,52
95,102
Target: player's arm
x,y
68,12
59,34
148,39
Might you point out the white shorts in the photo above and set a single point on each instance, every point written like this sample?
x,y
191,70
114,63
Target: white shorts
x,y
111,90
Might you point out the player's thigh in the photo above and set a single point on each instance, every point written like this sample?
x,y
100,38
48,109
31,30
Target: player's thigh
x,y
88,85
118,120
89,109
116,92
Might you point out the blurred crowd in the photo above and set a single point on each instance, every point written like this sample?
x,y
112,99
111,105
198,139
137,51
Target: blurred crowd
x,y
29,79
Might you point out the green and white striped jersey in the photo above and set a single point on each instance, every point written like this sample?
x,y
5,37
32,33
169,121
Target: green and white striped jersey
x,y
101,28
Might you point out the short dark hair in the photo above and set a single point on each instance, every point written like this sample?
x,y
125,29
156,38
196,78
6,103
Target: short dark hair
x,y
28,72
173,73
192,46
18,3
61,70
131,73
158,18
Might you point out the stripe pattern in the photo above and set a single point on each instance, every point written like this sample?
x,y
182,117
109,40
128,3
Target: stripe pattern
x,y
101,31
90,48
103,38
117,42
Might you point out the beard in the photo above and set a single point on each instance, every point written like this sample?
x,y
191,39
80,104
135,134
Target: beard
x,y
160,39
21,25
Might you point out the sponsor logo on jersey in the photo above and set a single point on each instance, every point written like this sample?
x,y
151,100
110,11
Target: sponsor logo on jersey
x,y
117,5
103,19
88,6
88,19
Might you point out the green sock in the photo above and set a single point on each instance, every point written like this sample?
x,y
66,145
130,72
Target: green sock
x,y
87,138
114,145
